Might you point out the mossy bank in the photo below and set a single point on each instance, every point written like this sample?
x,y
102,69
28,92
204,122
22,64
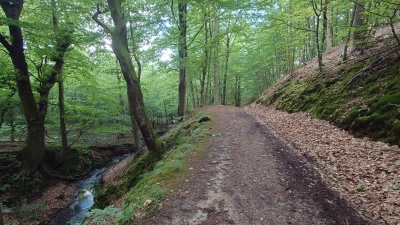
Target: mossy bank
x,y
147,180
361,95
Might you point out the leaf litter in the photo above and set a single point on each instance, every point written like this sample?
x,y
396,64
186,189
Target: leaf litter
x,y
364,172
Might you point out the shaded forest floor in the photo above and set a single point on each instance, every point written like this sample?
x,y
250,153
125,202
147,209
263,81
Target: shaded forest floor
x,y
250,175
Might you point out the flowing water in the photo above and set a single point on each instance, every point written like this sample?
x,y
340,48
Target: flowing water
x,y
85,194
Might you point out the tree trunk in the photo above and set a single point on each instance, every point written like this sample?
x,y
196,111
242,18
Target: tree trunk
x,y
33,153
203,92
192,95
358,23
182,49
12,135
135,130
135,97
226,69
329,29
317,12
63,126
216,67
351,19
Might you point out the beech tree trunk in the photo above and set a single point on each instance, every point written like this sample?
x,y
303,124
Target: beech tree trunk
x,y
329,29
203,92
33,153
228,39
135,96
63,126
359,32
182,49
216,66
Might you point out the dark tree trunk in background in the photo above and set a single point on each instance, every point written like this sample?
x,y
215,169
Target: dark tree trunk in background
x,y
358,23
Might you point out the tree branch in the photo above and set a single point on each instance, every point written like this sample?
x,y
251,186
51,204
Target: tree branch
x,y
95,17
5,43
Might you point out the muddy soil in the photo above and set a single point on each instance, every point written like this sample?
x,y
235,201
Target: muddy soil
x,y
249,176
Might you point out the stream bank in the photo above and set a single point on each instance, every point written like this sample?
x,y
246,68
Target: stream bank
x,y
86,190
40,197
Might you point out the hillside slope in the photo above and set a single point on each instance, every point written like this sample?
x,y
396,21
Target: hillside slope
x,y
361,95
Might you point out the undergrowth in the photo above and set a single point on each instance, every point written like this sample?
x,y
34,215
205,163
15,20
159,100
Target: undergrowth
x,y
148,180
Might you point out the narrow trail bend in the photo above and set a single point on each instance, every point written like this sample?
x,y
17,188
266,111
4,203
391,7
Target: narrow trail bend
x,y
249,176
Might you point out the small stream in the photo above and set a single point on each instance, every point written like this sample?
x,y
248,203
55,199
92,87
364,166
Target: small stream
x,y
84,196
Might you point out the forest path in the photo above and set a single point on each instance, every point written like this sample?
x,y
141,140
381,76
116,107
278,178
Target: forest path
x,y
250,176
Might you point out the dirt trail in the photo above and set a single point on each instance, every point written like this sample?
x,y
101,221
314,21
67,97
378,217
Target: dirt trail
x,y
249,176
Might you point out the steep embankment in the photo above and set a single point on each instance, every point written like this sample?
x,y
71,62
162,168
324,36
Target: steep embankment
x,y
361,95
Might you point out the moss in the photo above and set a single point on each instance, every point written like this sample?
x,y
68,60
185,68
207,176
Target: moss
x,y
133,175
104,198
143,180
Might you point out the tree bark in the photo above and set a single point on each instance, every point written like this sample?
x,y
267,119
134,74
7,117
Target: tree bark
x,y
135,130
358,23
182,50
33,153
192,95
63,126
216,66
135,96
203,92
351,19
329,29
228,39
317,12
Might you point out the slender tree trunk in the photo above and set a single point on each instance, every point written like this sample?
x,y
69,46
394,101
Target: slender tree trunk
x,y
358,23
216,66
351,19
228,38
317,12
192,94
329,29
182,49
203,92
135,97
63,126
12,135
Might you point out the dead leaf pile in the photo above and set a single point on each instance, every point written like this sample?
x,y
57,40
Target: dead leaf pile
x,y
364,172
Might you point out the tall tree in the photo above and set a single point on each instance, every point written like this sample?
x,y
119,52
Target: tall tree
x,y
35,113
216,56
135,97
182,50
358,24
